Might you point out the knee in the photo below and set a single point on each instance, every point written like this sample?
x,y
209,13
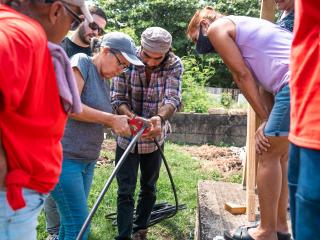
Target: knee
x,y
277,152
126,189
72,233
279,146
126,199
148,190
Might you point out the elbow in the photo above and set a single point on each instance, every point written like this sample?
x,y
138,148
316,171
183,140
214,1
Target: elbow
x,y
241,76
74,115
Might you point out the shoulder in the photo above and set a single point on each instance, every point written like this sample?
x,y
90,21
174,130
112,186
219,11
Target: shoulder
x,y
222,28
65,42
23,40
223,24
173,62
287,22
20,31
80,59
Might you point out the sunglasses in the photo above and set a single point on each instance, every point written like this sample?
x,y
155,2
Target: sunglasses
x,y
121,64
72,13
79,19
94,26
76,18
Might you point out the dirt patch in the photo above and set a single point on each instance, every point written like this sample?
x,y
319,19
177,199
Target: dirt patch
x,y
107,152
224,159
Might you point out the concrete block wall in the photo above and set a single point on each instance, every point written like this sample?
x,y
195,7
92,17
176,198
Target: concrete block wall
x,y
222,128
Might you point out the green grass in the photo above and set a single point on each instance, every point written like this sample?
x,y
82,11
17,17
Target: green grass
x,y
186,173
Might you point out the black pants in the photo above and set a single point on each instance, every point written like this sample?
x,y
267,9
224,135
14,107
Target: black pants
x,y
127,178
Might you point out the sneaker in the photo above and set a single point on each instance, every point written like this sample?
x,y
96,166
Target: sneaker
x,y
52,237
140,235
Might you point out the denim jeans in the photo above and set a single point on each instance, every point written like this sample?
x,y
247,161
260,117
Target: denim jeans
x,y
71,194
20,224
52,216
279,119
304,186
127,177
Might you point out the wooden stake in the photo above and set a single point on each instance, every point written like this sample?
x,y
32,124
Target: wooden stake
x,y
267,12
251,165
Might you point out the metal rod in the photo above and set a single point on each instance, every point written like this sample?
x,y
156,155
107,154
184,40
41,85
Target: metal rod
x,y
108,183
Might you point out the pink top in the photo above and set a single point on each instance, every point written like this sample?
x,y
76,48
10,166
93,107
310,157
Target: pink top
x,y
265,48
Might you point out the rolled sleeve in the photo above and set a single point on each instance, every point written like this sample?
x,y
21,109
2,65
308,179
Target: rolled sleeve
x,y
119,92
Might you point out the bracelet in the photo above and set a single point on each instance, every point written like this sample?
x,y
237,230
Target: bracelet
x,y
161,119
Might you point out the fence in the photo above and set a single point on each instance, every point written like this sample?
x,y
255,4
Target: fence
x,y
218,91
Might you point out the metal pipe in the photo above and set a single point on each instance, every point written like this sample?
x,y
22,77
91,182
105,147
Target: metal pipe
x,y
108,183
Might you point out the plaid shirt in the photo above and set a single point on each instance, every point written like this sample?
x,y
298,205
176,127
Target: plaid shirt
x,y
145,99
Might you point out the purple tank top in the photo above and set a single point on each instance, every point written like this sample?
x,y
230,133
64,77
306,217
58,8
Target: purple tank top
x,y
265,48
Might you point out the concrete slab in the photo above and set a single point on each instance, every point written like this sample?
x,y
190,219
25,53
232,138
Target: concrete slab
x,y
212,218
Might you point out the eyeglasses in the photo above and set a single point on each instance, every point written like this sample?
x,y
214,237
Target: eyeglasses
x,y
94,26
77,19
121,64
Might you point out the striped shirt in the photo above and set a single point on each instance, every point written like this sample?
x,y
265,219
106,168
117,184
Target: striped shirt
x,y
145,99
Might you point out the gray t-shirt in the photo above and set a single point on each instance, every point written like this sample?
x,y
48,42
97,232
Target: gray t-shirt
x,y
82,140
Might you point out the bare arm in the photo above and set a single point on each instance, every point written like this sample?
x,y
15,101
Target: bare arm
x,y
221,35
90,114
124,109
118,122
166,111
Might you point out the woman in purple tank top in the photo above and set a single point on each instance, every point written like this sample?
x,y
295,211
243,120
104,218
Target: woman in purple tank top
x,y
257,54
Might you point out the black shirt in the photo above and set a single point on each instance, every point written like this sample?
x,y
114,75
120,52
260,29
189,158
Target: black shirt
x,y
71,48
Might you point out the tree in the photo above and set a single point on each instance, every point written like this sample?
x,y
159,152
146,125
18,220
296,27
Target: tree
x,y
237,7
134,16
140,14
222,77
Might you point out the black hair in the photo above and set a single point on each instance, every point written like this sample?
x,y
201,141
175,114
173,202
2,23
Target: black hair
x,y
98,11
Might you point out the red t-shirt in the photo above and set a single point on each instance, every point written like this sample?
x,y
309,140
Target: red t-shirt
x,y
305,81
31,116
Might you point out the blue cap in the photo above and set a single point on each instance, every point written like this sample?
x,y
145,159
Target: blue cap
x,y
124,44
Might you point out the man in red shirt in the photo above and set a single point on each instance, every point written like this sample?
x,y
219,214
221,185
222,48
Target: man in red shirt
x,y
304,163
32,118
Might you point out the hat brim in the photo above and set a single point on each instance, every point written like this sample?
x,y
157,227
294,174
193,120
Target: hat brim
x,y
133,59
85,11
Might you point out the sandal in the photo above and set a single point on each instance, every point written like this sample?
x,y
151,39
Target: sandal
x,y
240,234
283,236
280,235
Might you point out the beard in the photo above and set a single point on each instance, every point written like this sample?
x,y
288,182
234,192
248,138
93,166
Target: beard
x,y
151,68
83,35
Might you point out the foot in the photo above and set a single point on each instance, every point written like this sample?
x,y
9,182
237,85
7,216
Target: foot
x,y
140,235
260,234
241,233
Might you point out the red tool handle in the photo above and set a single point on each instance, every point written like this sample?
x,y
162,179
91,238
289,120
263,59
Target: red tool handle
x,y
136,124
